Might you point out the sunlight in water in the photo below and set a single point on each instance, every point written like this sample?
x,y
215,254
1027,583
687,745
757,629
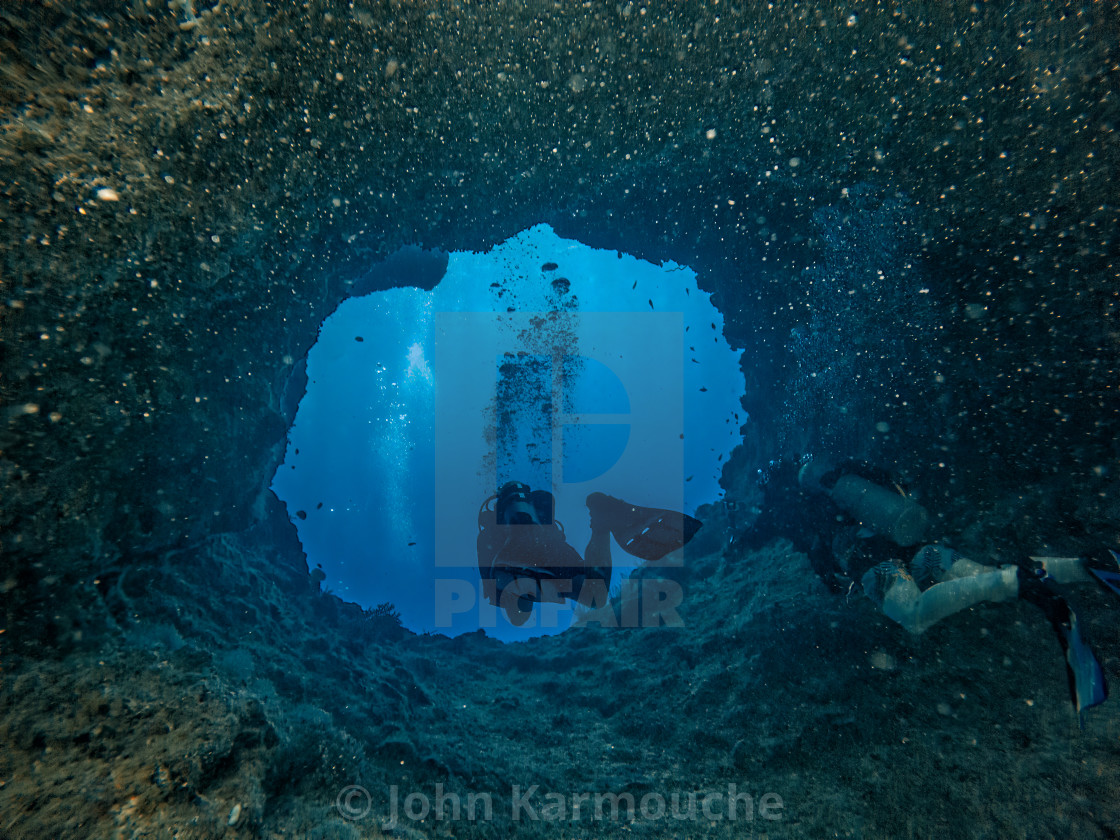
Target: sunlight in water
x,y
543,360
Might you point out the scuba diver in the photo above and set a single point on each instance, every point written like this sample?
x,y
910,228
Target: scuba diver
x,y
523,557
854,523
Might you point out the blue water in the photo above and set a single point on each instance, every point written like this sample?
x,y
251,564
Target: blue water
x,y
601,372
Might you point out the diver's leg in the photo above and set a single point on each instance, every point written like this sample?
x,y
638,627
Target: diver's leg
x,y
1065,569
598,553
1086,676
645,532
937,563
597,561
1101,566
962,567
917,611
963,583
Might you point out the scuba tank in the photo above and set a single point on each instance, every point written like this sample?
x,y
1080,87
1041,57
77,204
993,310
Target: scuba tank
x,y
898,518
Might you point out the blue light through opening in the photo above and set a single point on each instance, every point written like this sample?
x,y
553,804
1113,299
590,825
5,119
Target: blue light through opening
x,y
359,475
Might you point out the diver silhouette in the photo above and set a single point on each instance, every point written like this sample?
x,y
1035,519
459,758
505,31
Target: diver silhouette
x,y
524,558
858,526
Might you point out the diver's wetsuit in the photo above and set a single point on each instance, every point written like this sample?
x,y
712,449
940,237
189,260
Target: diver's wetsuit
x,y
842,554
523,557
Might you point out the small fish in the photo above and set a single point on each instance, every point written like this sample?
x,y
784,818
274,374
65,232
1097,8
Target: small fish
x,y
358,338
651,303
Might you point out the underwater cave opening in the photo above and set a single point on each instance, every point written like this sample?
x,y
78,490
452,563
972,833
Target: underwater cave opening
x,y
543,360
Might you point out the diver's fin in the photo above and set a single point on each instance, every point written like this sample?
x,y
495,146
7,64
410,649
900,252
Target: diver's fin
x,y
1109,578
1086,676
646,533
659,535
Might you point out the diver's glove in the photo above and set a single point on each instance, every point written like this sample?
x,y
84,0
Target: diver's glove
x,y
878,580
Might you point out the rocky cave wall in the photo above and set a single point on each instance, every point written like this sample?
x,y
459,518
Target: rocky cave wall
x,y
191,187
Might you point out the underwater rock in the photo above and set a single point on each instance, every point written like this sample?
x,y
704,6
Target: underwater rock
x,y
190,190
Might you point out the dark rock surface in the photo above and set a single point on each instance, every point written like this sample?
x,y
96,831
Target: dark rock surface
x,y
237,694
189,188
